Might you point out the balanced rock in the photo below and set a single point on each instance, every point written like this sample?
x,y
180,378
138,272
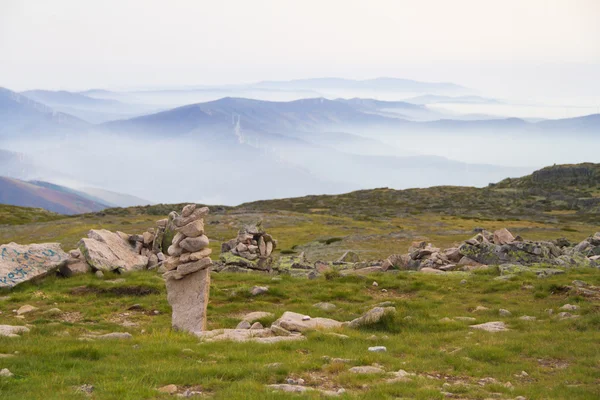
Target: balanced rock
x,y
21,263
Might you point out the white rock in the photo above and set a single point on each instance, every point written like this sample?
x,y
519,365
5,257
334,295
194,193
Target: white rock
x,y
378,349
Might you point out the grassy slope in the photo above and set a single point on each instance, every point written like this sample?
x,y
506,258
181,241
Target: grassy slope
x,y
561,357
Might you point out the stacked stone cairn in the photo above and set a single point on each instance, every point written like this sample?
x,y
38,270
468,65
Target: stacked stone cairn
x,y
252,249
188,270
149,244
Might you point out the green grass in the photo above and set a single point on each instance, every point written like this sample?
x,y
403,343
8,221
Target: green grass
x,y
561,357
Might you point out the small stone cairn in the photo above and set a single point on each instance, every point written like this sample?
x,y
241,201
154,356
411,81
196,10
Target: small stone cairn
x,y
188,270
252,248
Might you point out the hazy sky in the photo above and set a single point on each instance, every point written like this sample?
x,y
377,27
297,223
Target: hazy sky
x,y
536,47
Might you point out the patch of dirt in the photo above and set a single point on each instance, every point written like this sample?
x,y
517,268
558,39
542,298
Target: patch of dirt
x,y
117,291
71,317
552,363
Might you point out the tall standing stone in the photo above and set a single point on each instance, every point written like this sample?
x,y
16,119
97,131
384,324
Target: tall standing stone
x,y
188,270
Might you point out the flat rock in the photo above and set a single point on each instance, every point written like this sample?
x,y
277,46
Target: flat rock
x,y
193,229
295,322
377,349
12,331
107,251
188,298
186,269
325,306
246,335
5,372
110,336
21,263
570,307
26,309
194,244
256,315
367,369
495,326
169,389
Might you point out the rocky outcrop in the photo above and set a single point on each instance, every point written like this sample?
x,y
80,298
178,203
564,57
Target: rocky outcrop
x,y
251,249
188,270
104,250
21,263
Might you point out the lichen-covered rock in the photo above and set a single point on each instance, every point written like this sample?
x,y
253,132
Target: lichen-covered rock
x,y
372,317
349,257
21,263
526,252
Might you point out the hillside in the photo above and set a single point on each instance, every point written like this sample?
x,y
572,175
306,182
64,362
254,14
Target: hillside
x,y
43,195
23,116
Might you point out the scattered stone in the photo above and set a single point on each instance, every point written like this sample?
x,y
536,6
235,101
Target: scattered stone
x,y
527,318
22,263
295,322
257,325
372,317
26,309
279,331
256,315
504,313
86,388
480,308
99,274
169,389
570,307
503,236
566,315
256,290
52,312
367,369
325,306
111,336
5,372
466,319
377,349
247,335
375,284
495,326
243,325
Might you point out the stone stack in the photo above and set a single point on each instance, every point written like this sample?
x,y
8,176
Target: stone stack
x,y
188,270
149,243
252,249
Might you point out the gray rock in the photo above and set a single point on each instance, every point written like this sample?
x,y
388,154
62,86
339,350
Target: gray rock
x,y
194,244
188,298
78,267
569,307
5,372
372,317
107,251
256,290
193,229
495,326
188,268
504,313
257,325
243,325
295,322
12,331
21,263
256,315
367,369
325,306
378,349
26,309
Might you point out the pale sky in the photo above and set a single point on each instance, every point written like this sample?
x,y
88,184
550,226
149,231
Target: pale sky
x,y
548,46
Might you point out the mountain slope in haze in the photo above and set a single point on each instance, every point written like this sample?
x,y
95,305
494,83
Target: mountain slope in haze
x,y
115,199
90,109
377,84
437,99
26,194
19,115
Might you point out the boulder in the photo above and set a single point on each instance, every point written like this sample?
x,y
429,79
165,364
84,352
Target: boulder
x,y
107,251
503,236
295,322
525,252
21,263
453,254
74,267
372,317
189,298
495,326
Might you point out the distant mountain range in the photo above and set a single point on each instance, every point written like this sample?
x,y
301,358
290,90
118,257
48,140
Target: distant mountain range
x,y
42,195
19,115
437,99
